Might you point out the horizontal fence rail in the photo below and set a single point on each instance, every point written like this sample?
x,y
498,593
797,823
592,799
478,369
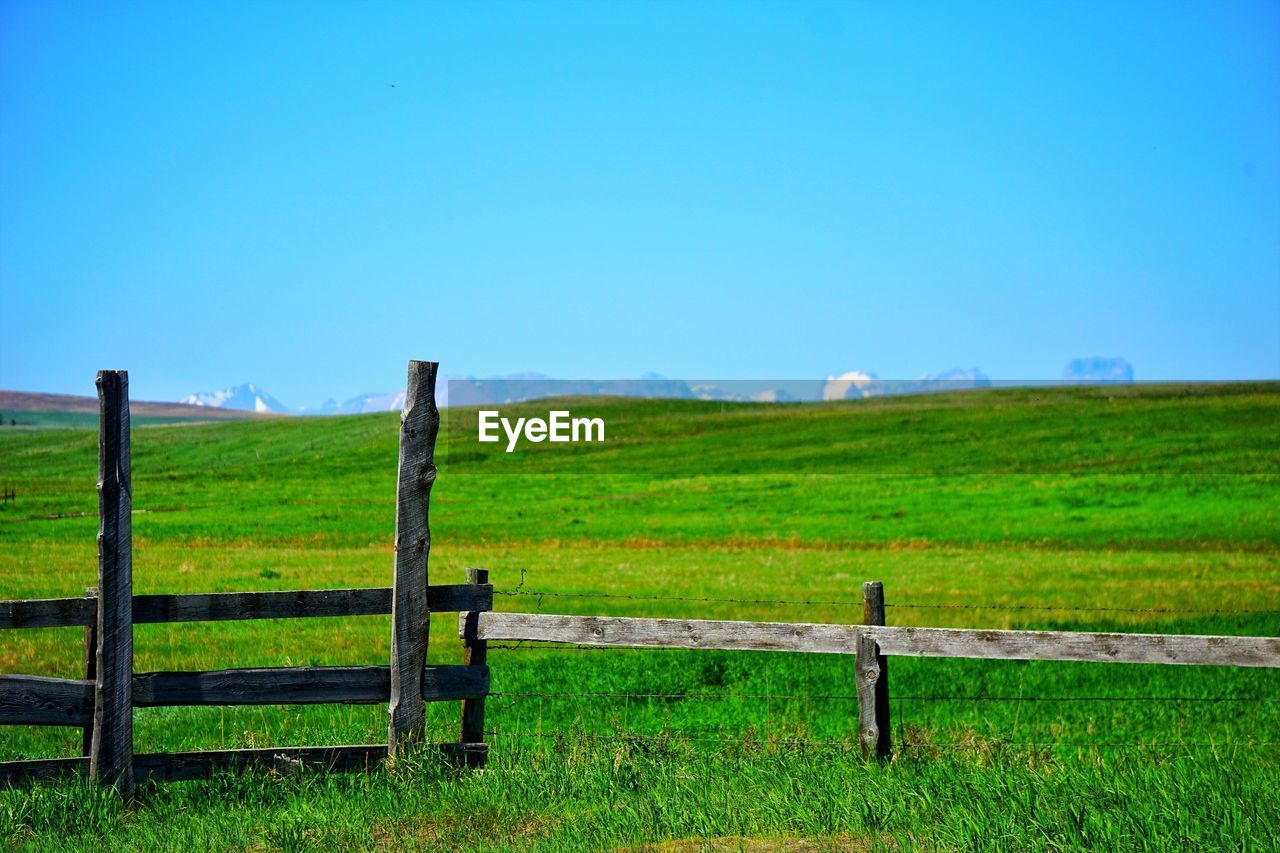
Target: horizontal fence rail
x,y
225,606
36,700
33,700
185,766
909,642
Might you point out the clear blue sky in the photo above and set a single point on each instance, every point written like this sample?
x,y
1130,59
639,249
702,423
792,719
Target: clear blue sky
x,y
305,196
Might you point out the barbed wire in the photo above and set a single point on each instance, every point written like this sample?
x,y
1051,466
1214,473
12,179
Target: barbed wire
x,y
853,745
540,594
1036,607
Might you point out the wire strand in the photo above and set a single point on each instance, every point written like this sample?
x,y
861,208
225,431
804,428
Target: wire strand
x,y
852,745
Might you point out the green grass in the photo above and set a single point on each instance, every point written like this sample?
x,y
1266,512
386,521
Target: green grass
x,y
28,419
1157,498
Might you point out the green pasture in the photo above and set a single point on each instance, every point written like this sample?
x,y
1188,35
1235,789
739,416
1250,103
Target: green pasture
x,y
1139,508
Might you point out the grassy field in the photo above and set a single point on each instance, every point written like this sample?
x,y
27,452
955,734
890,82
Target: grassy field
x,y
1154,505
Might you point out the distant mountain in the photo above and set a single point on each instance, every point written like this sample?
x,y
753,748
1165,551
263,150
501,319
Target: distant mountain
x,y
520,387
247,397
363,404
856,384
971,378
1097,369
30,401
849,386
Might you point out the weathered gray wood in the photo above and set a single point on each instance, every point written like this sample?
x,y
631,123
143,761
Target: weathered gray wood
x,y
221,606
19,773
33,700
909,642
678,633
309,685
48,613
873,679
476,653
441,683
111,758
419,423
90,672
1192,649
285,604
459,597
353,685
185,766
868,670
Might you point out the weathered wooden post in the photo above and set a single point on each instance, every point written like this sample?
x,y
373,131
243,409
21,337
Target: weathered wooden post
x,y
410,616
873,679
111,751
472,751
90,669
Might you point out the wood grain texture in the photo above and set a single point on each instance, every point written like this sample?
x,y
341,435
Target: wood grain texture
x,y
223,606
48,613
1186,649
442,683
419,423
868,677
15,774
185,766
909,642
33,700
476,653
679,633
90,672
354,685
874,704
309,685
111,755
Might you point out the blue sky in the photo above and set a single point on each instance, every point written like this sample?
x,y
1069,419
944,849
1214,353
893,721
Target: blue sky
x,y
307,195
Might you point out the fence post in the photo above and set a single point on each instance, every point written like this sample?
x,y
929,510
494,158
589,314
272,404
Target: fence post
x,y
873,679
472,751
90,667
410,616
111,751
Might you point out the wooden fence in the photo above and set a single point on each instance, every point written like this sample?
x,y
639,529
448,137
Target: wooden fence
x,y
102,703
871,642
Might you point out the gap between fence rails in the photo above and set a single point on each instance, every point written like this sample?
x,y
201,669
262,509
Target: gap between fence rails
x,y
851,698
850,603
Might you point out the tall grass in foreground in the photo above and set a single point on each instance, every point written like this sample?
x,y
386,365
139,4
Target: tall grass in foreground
x,y
633,793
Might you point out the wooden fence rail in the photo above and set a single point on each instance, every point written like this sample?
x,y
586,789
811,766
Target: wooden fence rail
x,y
894,641
223,606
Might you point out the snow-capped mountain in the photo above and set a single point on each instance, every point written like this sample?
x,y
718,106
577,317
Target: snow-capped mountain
x,y
849,386
247,397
